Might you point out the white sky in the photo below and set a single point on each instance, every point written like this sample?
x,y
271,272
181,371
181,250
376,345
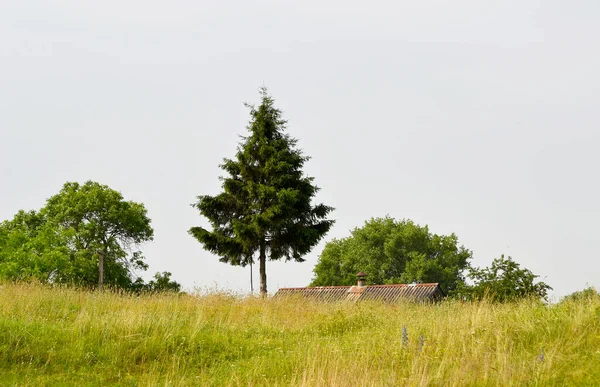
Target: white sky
x,y
474,117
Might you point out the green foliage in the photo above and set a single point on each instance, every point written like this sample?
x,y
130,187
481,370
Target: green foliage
x,y
32,248
504,281
162,283
99,221
392,251
265,205
587,294
61,243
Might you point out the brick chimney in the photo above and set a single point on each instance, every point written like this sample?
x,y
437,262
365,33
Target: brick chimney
x,y
361,279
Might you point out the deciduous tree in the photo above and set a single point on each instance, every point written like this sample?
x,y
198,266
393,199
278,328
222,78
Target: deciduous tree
x,y
31,248
85,235
102,226
391,251
504,280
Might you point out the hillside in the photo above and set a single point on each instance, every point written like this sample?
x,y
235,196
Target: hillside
x,y
71,337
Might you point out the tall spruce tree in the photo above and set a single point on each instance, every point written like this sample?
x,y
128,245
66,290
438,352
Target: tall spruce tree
x,y
265,205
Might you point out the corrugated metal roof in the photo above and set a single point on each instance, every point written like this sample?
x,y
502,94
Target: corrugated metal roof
x,y
318,293
386,293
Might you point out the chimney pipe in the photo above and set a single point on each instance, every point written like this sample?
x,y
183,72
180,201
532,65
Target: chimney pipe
x,y
361,279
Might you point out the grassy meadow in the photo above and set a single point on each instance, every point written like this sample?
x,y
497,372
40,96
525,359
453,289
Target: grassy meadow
x,y
61,336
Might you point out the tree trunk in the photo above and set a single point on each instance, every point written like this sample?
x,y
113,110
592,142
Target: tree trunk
x,y
263,269
251,282
101,270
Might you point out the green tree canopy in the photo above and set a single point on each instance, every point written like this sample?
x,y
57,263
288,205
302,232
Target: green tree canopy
x,y
503,281
102,227
391,251
162,283
265,205
31,248
588,294
85,235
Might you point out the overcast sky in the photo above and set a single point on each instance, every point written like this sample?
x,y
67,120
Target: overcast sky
x,y
480,118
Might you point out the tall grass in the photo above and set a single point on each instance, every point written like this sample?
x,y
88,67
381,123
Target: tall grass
x,y
59,336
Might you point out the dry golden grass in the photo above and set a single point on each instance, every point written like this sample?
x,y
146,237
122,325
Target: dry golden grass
x,y
61,336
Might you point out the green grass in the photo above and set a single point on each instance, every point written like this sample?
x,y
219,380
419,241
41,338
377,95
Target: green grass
x,y
69,337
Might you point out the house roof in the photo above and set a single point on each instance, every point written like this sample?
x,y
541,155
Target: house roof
x,y
387,293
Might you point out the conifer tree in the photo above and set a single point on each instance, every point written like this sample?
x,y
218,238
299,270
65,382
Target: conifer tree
x,y
265,206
